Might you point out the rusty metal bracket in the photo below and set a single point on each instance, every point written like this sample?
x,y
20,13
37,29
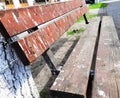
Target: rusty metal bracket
x,y
47,59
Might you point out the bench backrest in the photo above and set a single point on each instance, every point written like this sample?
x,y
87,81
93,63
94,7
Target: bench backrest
x,y
33,30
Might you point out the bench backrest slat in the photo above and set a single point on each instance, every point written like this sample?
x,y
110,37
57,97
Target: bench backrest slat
x,y
32,46
16,21
49,33
51,21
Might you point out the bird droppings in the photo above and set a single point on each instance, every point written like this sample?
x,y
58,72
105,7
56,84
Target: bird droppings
x,y
54,84
117,65
101,93
98,58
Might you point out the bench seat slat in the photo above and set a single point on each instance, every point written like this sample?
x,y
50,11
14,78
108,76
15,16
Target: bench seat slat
x,y
73,78
107,70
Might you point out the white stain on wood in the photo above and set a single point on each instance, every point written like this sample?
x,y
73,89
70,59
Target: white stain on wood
x,y
101,93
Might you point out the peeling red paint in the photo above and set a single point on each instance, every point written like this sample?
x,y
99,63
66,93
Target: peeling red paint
x,y
33,45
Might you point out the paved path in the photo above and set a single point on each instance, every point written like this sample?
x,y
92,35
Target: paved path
x,y
109,1
113,9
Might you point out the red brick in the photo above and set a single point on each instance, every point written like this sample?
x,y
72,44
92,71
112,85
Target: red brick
x,y
33,46
50,32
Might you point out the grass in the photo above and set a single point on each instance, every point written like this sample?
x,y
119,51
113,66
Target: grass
x,y
75,31
70,33
81,30
89,16
97,5
43,94
78,37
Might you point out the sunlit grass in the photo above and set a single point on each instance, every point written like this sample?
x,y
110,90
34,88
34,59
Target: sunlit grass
x,y
89,16
97,5
75,31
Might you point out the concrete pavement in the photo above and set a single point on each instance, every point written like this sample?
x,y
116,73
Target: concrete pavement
x,y
113,9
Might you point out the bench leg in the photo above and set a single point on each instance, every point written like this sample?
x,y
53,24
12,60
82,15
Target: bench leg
x,y
86,21
47,59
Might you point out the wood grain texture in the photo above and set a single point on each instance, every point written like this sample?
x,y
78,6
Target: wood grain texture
x,y
31,45
16,21
73,79
107,72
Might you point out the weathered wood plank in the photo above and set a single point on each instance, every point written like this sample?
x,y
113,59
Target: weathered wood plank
x,y
16,21
107,72
50,33
30,46
73,79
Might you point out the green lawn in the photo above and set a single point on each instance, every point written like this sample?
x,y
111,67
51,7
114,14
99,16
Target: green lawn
x,y
43,94
97,5
75,31
88,15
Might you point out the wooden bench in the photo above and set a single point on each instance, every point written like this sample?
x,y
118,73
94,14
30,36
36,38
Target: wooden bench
x,y
73,79
107,71
32,30
72,82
